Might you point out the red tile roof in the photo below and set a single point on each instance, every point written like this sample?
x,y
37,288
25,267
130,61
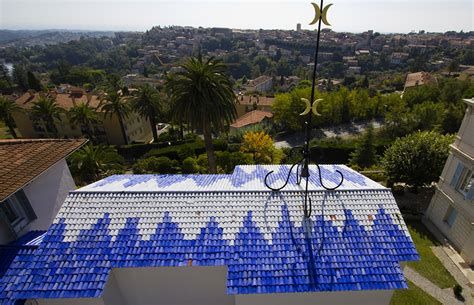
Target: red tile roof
x,y
252,117
64,100
23,160
250,100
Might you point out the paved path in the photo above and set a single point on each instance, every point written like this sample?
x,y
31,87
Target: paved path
x,y
445,296
455,272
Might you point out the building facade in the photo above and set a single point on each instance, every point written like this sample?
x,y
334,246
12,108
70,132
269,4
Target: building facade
x,y
452,207
106,130
35,181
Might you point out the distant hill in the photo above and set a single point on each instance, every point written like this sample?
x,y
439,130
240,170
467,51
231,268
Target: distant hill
x,y
39,37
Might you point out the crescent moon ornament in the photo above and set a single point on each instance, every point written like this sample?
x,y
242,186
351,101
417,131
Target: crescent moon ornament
x,y
320,14
308,107
315,107
324,15
317,13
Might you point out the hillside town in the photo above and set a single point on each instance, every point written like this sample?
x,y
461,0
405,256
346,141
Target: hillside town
x,y
192,165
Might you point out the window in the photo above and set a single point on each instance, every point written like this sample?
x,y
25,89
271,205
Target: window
x,y
463,181
466,181
16,211
450,216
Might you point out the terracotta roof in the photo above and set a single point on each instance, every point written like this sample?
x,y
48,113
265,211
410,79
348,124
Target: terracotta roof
x,y
250,100
64,100
259,80
23,160
252,117
419,78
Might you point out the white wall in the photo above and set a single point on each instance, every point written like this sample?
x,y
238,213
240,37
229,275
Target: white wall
x,y
372,297
85,301
47,194
173,286
205,286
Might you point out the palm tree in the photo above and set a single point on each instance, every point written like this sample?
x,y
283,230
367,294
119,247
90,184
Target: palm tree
x,y
7,108
91,163
147,104
112,103
202,95
84,116
47,110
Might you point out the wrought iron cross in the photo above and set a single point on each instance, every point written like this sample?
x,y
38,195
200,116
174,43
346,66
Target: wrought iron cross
x,y
311,108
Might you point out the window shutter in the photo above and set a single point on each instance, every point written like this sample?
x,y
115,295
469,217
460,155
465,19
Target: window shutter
x,y
25,204
7,222
457,174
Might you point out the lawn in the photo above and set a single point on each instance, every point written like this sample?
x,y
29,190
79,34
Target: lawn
x,y
429,265
413,296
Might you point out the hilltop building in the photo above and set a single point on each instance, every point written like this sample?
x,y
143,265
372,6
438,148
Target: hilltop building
x,y
452,207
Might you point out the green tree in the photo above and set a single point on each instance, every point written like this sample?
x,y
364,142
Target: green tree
x,y
20,77
417,159
47,110
33,82
84,116
202,95
112,104
365,155
146,102
7,108
91,163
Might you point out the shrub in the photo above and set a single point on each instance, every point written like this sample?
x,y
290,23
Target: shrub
x,y
155,165
186,151
190,166
417,159
227,161
457,289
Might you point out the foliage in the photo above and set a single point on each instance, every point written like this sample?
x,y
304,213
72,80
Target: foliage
x,y
46,109
7,108
260,146
365,155
84,116
226,161
340,106
417,159
156,165
112,103
91,163
147,103
203,97
190,166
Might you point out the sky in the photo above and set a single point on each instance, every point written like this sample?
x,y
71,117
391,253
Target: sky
x,y
385,16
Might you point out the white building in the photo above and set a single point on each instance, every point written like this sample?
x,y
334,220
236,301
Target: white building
x,y
34,182
452,206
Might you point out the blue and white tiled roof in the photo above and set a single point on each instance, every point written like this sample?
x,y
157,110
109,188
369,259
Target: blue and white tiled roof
x,y
354,240
244,178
